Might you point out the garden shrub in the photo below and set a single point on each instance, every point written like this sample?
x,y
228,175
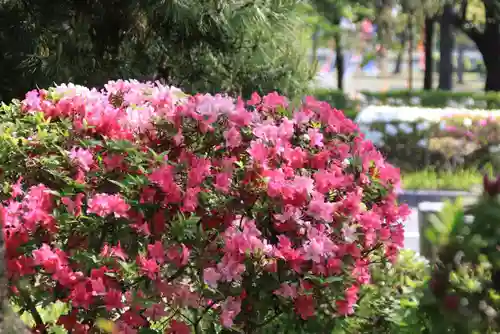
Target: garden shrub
x,y
436,99
463,294
449,142
388,304
430,99
139,209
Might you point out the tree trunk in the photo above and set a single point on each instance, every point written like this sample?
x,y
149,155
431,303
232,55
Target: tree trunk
x,y
460,63
446,41
399,59
488,43
428,50
385,23
410,53
339,61
382,61
492,64
489,46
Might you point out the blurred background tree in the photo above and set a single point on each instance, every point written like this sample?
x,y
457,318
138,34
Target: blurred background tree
x,y
333,11
480,21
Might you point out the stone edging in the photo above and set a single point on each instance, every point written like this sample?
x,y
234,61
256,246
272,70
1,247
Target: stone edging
x,y
414,197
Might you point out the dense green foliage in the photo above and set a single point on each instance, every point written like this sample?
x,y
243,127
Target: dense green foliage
x,y
232,46
463,295
437,99
389,304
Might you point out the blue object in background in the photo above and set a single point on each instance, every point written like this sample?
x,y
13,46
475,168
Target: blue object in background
x,y
371,68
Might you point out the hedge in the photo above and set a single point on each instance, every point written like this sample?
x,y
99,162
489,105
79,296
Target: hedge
x,y
435,99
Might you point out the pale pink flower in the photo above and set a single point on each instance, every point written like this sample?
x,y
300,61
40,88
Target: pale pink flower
x,y
82,158
286,290
211,276
230,309
321,210
258,151
233,137
223,181
315,137
156,312
104,205
230,269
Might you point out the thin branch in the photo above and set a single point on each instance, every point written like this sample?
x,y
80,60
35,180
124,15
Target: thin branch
x,y
205,311
268,320
177,274
463,10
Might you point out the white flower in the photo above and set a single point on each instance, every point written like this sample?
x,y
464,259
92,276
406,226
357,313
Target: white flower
x,y
349,233
406,128
467,122
415,100
494,149
391,129
422,143
423,126
386,114
375,137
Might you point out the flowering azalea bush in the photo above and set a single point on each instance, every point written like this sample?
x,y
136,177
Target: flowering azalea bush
x,y
168,213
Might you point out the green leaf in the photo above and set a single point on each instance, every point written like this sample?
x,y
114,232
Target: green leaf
x,y
127,267
333,279
148,331
430,235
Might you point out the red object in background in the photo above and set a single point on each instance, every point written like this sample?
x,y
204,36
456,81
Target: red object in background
x,y
366,27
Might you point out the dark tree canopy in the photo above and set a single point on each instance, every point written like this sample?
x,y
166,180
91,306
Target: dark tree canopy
x,y
213,45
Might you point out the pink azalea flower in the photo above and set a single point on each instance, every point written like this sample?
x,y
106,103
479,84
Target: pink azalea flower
x,y
304,306
233,137
82,158
258,151
104,205
315,137
178,327
211,276
230,309
157,252
286,291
